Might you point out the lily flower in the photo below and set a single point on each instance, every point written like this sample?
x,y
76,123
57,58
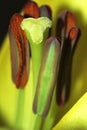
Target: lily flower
x,y
45,54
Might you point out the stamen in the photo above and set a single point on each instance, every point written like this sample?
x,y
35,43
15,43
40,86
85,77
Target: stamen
x,y
69,35
66,21
69,21
45,11
19,52
60,25
74,35
47,77
31,9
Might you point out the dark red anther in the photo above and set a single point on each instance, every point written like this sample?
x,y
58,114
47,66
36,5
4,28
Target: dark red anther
x,y
69,21
74,35
66,21
31,9
69,34
19,52
45,11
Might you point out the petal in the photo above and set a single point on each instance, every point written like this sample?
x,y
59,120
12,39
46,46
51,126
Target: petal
x,y
76,118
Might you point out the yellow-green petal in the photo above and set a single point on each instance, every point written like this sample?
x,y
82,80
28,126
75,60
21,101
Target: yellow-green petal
x,y
76,118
